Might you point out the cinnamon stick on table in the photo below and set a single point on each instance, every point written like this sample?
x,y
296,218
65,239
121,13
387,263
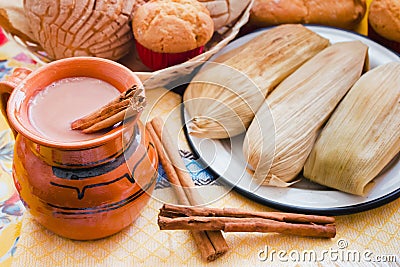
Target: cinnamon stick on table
x,y
168,168
234,220
210,243
171,148
181,211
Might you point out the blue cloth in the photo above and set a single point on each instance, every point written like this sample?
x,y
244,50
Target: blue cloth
x,y
200,175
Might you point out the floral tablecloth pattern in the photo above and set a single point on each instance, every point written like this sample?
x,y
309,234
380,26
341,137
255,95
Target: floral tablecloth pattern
x,y
11,208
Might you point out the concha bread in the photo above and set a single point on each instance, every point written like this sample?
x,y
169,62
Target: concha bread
x,y
13,20
82,27
384,18
224,12
340,13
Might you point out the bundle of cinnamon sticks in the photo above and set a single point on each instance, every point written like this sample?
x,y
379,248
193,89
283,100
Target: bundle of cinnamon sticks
x,y
235,220
128,104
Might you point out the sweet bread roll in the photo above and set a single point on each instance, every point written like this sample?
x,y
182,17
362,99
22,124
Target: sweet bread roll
x,y
224,12
82,27
13,20
340,13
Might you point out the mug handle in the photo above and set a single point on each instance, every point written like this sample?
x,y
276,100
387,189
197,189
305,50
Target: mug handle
x,y
6,88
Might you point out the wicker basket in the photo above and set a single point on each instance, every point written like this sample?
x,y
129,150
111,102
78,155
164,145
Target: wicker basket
x,y
165,76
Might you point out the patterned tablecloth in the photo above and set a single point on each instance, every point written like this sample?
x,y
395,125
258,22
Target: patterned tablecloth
x,y
366,238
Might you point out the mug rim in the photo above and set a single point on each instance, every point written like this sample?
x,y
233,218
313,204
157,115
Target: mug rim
x,y
12,107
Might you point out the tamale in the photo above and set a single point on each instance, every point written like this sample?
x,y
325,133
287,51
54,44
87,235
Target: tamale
x,y
362,136
299,106
222,99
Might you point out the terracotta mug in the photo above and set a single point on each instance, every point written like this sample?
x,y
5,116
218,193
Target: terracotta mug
x,y
80,190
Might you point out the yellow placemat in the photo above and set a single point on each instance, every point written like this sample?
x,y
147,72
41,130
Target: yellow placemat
x,y
362,239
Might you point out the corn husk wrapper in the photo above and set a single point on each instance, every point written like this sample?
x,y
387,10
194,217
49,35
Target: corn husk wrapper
x,y
222,99
299,106
362,136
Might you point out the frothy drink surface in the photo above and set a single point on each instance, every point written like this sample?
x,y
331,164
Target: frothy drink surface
x,y
53,109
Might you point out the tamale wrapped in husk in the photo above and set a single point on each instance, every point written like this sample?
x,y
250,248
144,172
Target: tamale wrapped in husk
x,y
299,107
362,136
222,99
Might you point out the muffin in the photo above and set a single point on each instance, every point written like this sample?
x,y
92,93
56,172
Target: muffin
x,y
384,23
169,32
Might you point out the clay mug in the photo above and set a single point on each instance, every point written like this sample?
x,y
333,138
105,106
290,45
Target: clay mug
x,y
80,190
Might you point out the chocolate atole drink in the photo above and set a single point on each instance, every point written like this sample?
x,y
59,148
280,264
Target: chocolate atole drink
x,y
53,109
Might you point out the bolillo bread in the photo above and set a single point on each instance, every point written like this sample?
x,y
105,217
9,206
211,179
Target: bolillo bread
x,y
384,17
340,13
384,23
82,27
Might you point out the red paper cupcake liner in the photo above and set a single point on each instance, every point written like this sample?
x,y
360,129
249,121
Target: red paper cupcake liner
x,y
373,35
156,61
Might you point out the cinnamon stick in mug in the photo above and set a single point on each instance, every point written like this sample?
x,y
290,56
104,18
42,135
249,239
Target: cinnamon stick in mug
x,y
128,104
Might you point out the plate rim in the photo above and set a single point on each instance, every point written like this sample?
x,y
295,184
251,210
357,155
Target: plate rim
x,y
331,211
334,211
